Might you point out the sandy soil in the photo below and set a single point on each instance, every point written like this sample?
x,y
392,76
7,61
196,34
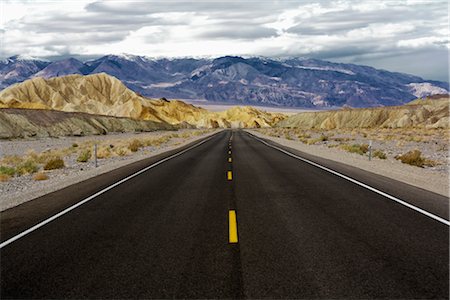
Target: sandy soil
x,y
20,189
434,179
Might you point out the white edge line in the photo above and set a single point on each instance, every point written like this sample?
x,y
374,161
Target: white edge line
x,y
402,202
65,211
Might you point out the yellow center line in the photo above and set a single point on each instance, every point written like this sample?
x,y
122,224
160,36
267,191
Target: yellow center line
x,y
233,235
229,159
229,175
229,152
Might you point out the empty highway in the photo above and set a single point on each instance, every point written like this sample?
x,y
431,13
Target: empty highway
x,y
231,216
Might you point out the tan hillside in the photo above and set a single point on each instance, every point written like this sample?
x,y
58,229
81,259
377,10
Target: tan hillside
x,y
22,123
419,113
102,94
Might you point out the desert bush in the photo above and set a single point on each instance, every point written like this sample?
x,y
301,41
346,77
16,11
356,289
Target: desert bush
x,y
103,152
361,149
134,145
288,136
323,138
4,177
54,163
40,176
12,160
122,151
304,136
84,156
27,167
74,145
413,157
5,170
380,154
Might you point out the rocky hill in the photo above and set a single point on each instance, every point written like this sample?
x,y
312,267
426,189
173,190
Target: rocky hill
x,y
427,113
101,94
255,81
23,123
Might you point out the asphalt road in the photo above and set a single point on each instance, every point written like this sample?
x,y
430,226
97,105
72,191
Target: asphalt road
x,y
165,233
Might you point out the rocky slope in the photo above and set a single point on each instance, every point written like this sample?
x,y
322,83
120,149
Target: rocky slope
x,y
257,81
101,94
23,123
428,113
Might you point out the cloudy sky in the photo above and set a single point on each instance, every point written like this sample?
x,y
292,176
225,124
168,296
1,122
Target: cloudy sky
x,y
408,36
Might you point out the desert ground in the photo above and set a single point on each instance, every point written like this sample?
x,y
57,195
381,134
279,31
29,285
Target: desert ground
x,y
417,156
30,168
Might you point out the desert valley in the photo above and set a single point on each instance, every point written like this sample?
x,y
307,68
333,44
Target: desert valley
x,y
216,149
49,128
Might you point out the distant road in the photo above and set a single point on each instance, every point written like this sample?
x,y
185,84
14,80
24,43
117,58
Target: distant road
x,y
232,217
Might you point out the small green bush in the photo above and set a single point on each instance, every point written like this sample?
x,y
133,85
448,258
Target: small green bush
x,y
27,167
74,145
7,170
84,156
54,163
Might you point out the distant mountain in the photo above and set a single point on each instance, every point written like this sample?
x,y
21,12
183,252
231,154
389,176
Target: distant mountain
x,y
237,80
63,67
19,68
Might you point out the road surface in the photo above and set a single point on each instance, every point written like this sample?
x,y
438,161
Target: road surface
x,y
231,217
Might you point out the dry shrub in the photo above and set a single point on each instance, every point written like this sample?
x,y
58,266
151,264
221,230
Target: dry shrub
x,y
380,154
122,150
134,145
12,160
413,157
360,149
4,177
323,138
27,167
40,176
103,152
84,156
54,163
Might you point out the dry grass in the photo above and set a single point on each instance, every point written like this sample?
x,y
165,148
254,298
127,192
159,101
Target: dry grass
x,y
40,176
54,163
28,166
379,154
84,156
134,145
31,161
4,177
360,149
413,158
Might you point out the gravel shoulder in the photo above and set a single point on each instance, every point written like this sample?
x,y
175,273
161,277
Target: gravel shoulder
x,y
435,181
20,189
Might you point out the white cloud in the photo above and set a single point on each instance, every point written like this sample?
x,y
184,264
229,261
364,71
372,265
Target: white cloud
x,y
346,29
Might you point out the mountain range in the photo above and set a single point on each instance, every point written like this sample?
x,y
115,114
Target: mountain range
x,y
293,82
